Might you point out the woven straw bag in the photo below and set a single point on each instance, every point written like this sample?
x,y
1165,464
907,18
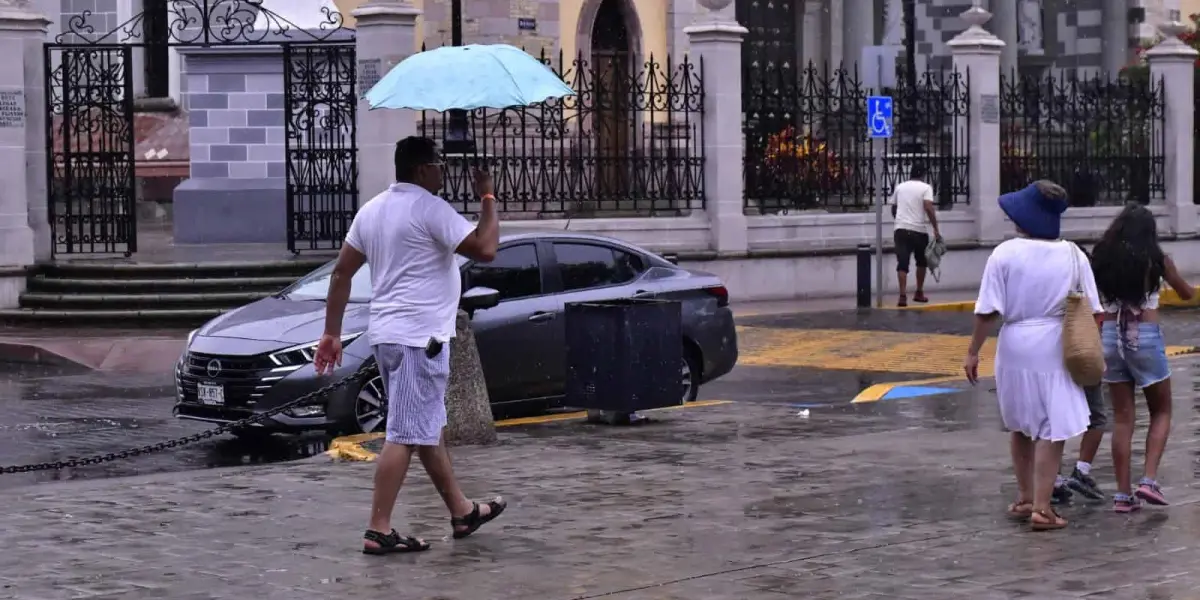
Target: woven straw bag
x,y
1082,353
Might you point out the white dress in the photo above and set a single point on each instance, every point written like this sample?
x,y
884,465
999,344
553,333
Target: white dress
x,y
1027,282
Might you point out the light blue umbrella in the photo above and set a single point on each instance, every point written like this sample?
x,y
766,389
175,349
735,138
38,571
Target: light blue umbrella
x,y
467,77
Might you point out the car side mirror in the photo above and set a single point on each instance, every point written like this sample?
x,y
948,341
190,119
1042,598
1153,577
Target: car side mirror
x,y
479,298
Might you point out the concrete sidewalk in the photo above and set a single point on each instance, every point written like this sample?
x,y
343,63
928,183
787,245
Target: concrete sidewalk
x,y
897,499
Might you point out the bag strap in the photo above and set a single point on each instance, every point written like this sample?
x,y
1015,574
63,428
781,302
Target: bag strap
x,y
1077,276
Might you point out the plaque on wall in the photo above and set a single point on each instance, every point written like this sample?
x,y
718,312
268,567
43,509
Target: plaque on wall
x,y
527,24
989,108
12,109
368,74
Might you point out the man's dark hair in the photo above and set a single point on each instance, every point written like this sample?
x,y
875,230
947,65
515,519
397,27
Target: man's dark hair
x,y
412,152
918,171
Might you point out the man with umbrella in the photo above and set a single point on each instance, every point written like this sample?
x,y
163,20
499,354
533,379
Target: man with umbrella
x,y
410,236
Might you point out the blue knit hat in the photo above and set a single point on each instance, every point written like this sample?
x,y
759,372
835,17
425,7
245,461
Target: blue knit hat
x,y
1034,212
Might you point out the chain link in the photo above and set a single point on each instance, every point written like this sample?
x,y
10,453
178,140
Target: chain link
x,y
362,374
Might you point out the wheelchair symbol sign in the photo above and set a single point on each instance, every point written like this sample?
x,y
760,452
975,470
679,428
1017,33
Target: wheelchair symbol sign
x,y
879,116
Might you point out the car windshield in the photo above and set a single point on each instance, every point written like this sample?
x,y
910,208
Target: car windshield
x,y
315,285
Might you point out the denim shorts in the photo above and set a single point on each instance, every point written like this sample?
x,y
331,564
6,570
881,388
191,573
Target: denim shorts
x,y
1144,366
1097,418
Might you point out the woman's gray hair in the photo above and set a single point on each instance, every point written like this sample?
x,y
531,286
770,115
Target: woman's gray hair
x,y
1050,189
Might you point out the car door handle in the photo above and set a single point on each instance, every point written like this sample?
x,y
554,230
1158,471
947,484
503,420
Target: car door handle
x,y
540,317
643,294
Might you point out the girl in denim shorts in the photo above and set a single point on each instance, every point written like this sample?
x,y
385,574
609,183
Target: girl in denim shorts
x,y
1130,268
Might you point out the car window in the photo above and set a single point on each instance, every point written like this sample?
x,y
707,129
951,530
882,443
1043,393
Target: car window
x,y
515,273
315,285
584,266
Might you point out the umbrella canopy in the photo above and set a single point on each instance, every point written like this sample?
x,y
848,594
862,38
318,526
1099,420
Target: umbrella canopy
x,y
467,77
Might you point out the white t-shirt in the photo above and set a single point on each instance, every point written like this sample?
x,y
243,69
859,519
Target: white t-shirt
x,y
409,237
909,198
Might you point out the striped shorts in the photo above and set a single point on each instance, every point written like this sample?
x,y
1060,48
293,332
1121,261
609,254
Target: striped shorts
x,y
416,389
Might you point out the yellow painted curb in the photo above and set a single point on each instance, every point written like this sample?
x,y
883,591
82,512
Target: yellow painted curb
x,y
876,392
349,448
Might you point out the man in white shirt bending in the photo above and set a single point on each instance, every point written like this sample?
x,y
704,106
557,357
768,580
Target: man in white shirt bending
x,y
409,236
912,205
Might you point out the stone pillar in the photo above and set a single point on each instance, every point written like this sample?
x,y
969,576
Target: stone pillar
x,y
1114,41
718,42
858,30
977,53
24,228
1172,64
833,35
386,35
813,38
1004,26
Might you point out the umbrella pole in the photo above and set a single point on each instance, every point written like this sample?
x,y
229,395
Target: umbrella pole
x,y
458,131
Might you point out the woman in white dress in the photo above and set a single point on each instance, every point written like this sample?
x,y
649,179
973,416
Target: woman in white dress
x,y
1025,284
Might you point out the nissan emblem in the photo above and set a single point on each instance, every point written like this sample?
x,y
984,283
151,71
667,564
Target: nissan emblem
x,y
214,368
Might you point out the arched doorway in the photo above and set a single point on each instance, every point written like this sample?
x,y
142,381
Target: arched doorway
x,y
612,59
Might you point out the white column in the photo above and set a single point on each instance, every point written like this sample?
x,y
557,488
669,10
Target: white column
x,y
386,35
717,40
1114,31
833,34
977,53
1172,63
813,35
24,228
858,30
1004,24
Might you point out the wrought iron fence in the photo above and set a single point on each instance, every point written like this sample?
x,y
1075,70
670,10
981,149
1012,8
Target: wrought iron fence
x,y
1101,139
807,146
630,142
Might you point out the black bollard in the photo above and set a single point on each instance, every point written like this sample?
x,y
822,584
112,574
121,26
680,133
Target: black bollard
x,y
864,275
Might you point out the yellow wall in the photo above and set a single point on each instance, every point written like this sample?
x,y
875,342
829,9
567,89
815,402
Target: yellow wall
x,y
1186,8
652,15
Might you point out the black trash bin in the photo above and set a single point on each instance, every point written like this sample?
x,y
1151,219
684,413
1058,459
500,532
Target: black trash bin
x,y
624,355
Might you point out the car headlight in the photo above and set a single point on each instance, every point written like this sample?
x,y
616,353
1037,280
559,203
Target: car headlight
x,y
303,354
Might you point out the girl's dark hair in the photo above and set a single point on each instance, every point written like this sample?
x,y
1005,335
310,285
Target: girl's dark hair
x,y
1127,261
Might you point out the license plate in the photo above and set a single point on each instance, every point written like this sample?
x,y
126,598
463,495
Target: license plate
x,y
210,394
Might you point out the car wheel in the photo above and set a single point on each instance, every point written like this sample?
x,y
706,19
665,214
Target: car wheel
x,y
370,408
690,372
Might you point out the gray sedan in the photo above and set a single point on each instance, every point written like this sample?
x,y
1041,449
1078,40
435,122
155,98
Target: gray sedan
x,y
260,356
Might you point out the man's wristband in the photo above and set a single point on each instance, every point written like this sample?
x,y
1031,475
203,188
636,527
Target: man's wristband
x,y
487,197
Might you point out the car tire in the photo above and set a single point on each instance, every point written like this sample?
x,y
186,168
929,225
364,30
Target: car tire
x,y
690,373
251,434
368,412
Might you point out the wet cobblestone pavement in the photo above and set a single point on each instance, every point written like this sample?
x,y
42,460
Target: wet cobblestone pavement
x,y
52,414
896,499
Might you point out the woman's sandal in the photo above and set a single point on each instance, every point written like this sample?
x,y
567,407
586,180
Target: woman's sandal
x,y
1021,509
392,543
473,521
1051,520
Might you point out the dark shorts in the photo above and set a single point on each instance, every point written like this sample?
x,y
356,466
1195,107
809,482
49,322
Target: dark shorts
x,y
1095,400
912,244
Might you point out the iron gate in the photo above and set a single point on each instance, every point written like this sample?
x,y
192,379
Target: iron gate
x,y
320,133
89,140
90,135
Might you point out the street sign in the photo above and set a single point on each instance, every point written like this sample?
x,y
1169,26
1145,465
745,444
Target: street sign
x,y
879,116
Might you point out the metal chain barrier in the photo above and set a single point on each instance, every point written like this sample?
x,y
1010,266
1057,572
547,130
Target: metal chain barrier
x,y
361,374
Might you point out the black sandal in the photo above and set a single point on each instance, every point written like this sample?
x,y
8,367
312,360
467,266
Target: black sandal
x,y
474,520
393,543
